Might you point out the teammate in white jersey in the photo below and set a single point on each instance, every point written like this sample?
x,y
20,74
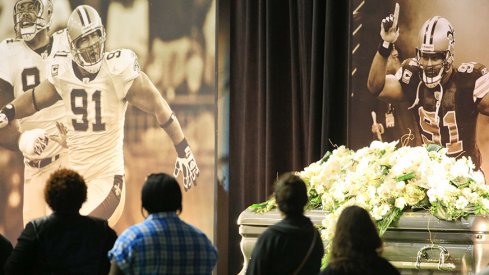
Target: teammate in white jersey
x,y
25,63
96,87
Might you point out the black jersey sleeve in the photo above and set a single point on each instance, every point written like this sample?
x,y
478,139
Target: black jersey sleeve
x,y
409,77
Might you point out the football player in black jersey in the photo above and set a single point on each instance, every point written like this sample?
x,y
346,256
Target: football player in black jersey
x,y
445,99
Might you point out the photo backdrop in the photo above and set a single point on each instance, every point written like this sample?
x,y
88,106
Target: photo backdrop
x,y
471,38
175,44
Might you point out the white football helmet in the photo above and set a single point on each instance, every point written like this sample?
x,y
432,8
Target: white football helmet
x,y
32,16
86,36
436,42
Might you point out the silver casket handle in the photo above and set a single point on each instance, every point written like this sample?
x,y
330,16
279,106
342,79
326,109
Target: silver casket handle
x,y
444,255
441,265
441,260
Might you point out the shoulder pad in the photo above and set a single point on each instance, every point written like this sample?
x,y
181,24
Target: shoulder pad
x,y
61,33
59,55
410,62
118,61
60,41
10,41
8,45
409,68
59,63
472,68
61,36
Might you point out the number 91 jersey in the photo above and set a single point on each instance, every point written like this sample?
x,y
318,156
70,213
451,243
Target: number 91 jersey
x,y
95,111
447,114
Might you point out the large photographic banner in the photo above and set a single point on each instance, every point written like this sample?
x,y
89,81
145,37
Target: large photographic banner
x,y
372,119
175,45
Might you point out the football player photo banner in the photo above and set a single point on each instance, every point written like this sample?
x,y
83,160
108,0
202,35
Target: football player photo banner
x,y
136,87
418,75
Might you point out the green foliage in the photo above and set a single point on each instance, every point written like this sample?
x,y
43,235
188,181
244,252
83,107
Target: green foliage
x,y
405,177
392,217
264,207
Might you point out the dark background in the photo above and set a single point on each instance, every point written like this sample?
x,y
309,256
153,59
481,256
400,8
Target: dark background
x,y
292,88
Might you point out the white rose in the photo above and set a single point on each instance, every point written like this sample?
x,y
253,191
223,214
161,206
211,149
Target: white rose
x,y
400,203
461,203
400,185
485,203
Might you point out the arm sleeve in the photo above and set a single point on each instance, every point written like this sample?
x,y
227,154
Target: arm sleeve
x,y
481,88
125,68
122,251
22,259
109,241
5,250
408,76
211,253
259,257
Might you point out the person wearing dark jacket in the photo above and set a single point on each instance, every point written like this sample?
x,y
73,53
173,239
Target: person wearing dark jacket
x,y
357,246
292,246
64,242
5,250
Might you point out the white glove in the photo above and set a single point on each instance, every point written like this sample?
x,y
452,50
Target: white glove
x,y
60,138
33,142
3,120
389,30
186,164
7,113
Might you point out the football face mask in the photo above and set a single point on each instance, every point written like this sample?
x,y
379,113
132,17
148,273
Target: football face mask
x,y
89,50
86,36
435,50
432,65
30,17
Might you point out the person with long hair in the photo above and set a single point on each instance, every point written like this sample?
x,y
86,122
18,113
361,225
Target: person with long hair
x,y
357,246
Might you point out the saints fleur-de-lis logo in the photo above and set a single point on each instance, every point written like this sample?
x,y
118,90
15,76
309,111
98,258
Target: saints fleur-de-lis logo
x,y
437,95
451,34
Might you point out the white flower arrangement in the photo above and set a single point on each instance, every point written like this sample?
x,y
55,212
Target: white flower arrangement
x,y
386,180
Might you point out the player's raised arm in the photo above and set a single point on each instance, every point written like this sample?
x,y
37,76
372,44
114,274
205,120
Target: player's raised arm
x,y
481,94
144,95
380,84
29,103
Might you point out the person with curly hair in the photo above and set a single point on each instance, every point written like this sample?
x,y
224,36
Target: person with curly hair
x,y
357,246
64,242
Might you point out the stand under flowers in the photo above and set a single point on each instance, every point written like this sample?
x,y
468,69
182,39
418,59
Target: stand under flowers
x,y
430,208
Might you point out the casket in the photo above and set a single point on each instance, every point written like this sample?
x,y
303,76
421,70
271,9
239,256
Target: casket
x,y
418,243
